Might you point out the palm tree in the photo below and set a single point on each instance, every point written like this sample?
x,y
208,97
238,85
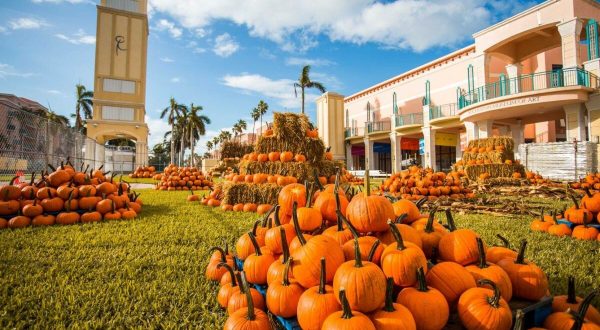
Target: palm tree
x,y
235,129
84,104
172,111
262,107
209,145
182,120
255,114
196,126
304,82
242,125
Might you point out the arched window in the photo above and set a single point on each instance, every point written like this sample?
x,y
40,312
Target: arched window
x,y
592,35
394,103
368,111
347,119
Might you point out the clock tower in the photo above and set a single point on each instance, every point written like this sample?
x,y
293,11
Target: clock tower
x,y
120,78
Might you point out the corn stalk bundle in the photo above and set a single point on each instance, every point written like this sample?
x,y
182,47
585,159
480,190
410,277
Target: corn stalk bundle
x,y
241,192
233,149
302,171
494,170
506,141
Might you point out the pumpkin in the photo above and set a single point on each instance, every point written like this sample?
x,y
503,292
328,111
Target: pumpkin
x,y
497,253
370,247
531,287
409,234
484,270
10,191
286,156
213,272
431,235
273,237
392,316
247,317
306,266
4,223
481,308
300,158
290,194
274,156
192,198
249,207
573,320
427,305
238,207
227,289
451,279
127,213
276,269
400,260
112,215
309,218
404,206
560,229
46,192
91,216
257,264
347,319
369,213
43,220
244,246
328,202
573,302
9,207
584,232
264,208
541,224
20,221
68,217
58,176
460,245
283,296
575,213
590,201
238,299
316,303
53,204
33,210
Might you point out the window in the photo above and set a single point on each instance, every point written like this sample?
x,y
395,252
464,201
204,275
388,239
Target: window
x,y
394,104
128,5
368,111
117,113
347,119
118,86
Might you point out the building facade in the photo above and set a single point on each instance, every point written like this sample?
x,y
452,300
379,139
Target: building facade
x,y
120,76
533,76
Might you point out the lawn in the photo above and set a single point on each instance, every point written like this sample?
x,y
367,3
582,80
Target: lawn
x,y
149,272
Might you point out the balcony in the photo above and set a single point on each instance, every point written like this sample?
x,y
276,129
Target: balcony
x,y
353,132
529,83
442,111
409,120
378,127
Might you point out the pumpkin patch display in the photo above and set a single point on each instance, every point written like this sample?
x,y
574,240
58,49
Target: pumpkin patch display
x,y
579,222
416,183
143,172
183,178
66,196
491,157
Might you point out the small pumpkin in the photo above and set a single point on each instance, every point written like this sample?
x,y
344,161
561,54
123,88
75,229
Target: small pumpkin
x,y
575,213
392,316
227,289
317,303
282,296
484,270
460,245
43,220
257,264
248,317
427,305
531,287
573,302
497,253
573,320
309,218
480,308
19,221
585,232
347,318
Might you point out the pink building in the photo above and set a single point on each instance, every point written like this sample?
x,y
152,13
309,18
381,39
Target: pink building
x,y
532,76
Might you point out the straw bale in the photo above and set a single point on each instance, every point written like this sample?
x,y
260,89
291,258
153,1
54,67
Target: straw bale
x,y
290,125
302,171
494,170
313,149
494,141
233,149
234,193
496,157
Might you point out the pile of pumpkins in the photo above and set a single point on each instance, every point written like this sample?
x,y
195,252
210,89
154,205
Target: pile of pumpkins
x,y
67,196
183,178
143,172
416,183
582,214
591,181
368,263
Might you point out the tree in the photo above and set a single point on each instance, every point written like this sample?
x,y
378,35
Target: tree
x,y
262,107
182,120
172,111
84,105
196,126
241,126
255,114
304,82
209,145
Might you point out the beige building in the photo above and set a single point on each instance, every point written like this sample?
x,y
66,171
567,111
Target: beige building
x,y
533,76
120,77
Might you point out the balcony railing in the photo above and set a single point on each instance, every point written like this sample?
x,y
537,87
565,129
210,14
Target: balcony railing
x,y
352,132
528,83
409,119
378,126
444,110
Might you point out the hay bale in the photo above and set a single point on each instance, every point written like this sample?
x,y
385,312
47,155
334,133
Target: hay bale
x,y
290,125
234,149
506,141
313,149
496,157
494,170
235,193
302,171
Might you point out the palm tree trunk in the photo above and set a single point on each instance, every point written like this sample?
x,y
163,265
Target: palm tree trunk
x,y
253,131
172,144
192,160
261,124
302,100
182,151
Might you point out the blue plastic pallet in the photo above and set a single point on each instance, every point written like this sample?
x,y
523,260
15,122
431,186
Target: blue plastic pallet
x,y
572,225
534,313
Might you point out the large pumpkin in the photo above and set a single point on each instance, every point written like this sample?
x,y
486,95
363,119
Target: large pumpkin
x,y
460,245
369,213
573,302
484,270
480,308
247,317
290,194
451,279
572,320
427,305
392,316
528,280
347,319
282,296
400,260
316,303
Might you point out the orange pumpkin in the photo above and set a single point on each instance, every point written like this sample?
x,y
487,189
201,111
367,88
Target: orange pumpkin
x,y
401,260
573,302
244,313
317,303
451,279
460,245
531,287
257,264
484,270
480,308
573,320
282,296
347,318
422,301
392,316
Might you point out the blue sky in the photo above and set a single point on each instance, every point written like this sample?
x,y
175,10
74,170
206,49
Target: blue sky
x,y
227,55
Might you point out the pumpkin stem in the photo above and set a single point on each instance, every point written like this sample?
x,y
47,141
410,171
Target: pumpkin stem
x,y
481,249
583,308
347,223
434,255
286,271
588,192
421,202
51,167
254,243
316,178
68,206
32,179
571,298
521,256
276,217
373,250
585,222
494,300
401,217
297,225
309,194
266,218
284,244
542,214
322,280
504,241
397,236
450,219
429,225
519,320
346,311
421,281
368,182
255,227
574,201
230,270
389,295
251,316
223,254
357,257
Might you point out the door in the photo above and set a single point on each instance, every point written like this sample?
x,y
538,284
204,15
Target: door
x,y
556,77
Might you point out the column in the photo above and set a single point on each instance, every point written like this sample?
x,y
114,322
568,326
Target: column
x,y
369,154
481,70
516,132
396,145
99,156
349,158
141,154
472,131
484,128
569,34
514,71
429,138
458,149
503,130
575,120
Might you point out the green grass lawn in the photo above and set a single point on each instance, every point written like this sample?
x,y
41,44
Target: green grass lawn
x,y
149,272
137,180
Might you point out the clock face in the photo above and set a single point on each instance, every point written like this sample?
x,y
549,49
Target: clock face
x,y
120,44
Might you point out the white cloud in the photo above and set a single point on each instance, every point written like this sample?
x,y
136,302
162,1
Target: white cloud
x,y
294,25
157,127
267,54
308,61
175,80
54,92
195,49
201,33
2,29
166,25
281,90
7,70
79,38
225,45
25,23
167,59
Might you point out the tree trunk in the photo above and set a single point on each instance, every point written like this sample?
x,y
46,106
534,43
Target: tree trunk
x,y
182,151
253,132
172,144
192,147
302,100
261,124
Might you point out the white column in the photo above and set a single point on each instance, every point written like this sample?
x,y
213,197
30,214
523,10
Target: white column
x,y
516,131
513,71
593,107
429,138
99,155
349,158
569,34
458,149
369,154
503,130
484,128
575,120
396,146
472,131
